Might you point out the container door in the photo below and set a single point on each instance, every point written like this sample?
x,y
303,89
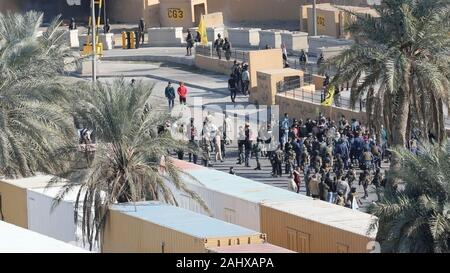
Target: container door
x,y
303,242
292,239
341,248
230,216
298,241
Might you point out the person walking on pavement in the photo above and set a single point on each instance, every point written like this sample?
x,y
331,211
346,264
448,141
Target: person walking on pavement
x,y
256,151
141,29
248,144
297,178
314,187
72,24
182,93
245,80
279,156
189,43
107,26
218,44
227,48
241,144
170,95
232,88
206,156
218,146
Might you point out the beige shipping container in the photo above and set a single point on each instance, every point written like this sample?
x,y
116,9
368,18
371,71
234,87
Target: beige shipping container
x,y
159,228
314,226
13,198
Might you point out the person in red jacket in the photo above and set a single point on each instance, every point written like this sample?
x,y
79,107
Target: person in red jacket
x,y
182,92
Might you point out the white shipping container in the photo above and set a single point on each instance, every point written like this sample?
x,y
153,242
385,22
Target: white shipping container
x,y
14,239
229,198
57,222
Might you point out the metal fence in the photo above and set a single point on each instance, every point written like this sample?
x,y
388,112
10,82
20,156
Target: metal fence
x,y
239,55
293,88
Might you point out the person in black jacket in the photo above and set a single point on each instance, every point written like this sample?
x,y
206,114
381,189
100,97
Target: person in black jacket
x,y
141,30
189,43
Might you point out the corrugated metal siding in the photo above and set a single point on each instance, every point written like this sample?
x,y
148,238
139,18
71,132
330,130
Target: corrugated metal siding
x,y
130,233
122,233
253,248
57,223
302,235
14,204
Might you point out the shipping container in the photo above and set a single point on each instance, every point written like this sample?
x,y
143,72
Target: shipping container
x,y
160,228
30,204
254,248
57,222
13,198
14,239
313,226
318,226
230,198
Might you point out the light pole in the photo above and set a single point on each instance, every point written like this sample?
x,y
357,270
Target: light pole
x,y
315,18
94,46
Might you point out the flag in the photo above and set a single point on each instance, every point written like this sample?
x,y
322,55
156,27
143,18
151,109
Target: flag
x,y
328,101
202,31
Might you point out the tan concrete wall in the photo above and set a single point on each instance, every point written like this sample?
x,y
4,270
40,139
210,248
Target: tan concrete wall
x,y
257,10
327,22
317,80
263,59
302,109
267,89
214,19
131,11
171,10
213,64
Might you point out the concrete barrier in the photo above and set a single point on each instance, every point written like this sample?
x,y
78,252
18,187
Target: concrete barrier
x,y
213,65
271,38
317,42
72,38
317,80
329,52
295,41
244,37
166,36
300,109
84,67
107,40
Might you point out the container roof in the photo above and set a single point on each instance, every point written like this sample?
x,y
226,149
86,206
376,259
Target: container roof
x,y
234,185
182,220
251,248
52,192
284,200
37,181
15,239
329,214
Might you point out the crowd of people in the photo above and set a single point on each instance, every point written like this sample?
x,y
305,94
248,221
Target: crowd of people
x,y
331,159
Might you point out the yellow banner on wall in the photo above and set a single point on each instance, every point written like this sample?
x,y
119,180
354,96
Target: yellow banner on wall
x,y
328,101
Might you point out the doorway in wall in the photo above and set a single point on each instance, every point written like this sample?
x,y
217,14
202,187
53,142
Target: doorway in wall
x,y
198,11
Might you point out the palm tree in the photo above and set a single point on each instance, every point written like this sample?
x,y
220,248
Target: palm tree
x,y
132,160
32,122
402,59
416,216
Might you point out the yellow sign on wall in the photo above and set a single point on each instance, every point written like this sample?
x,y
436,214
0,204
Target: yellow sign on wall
x,y
321,23
175,13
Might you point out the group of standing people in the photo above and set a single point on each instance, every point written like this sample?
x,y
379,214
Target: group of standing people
x,y
239,80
